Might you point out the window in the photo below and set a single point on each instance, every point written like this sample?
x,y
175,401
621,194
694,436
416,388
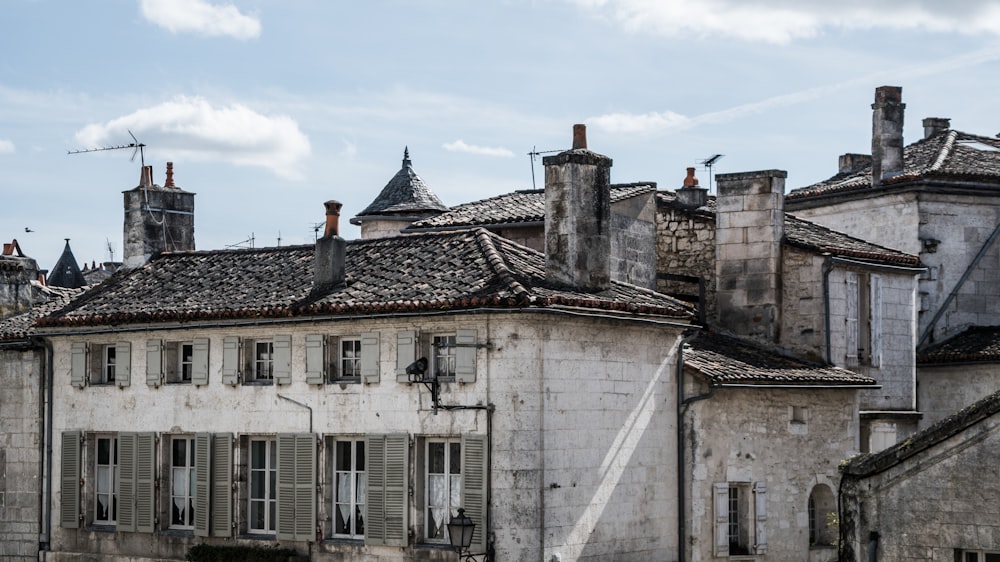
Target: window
x,y
863,319
263,453
264,361
976,556
296,487
349,488
261,354
822,513
342,359
105,469
740,518
443,357
177,362
349,360
100,364
452,357
387,478
182,457
107,364
213,485
443,486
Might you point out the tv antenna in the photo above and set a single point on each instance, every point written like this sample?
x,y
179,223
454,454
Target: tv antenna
x,y
111,250
137,148
533,154
708,163
316,226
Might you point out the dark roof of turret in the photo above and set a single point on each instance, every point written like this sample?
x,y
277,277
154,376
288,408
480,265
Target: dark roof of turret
x,y
405,194
66,272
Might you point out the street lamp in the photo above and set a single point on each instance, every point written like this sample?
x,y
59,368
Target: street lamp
x,y
460,530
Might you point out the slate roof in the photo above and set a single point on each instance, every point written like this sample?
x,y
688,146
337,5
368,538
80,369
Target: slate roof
x,y
405,194
871,464
428,272
66,272
726,360
21,327
525,206
976,344
947,155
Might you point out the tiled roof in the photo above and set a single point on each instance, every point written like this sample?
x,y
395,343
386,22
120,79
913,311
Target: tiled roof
x,y
811,236
66,272
729,360
417,273
669,199
21,327
870,464
978,343
405,194
527,206
946,155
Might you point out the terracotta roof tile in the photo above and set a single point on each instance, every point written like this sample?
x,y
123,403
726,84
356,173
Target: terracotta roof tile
x,y
415,273
21,327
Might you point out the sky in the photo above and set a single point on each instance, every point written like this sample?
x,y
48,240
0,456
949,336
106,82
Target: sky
x,y
268,108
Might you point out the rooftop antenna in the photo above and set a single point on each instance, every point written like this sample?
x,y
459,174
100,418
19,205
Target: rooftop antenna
x,y
136,146
248,243
708,163
316,226
111,250
534,153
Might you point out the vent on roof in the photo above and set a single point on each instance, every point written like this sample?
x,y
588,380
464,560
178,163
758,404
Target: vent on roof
x,y
979,145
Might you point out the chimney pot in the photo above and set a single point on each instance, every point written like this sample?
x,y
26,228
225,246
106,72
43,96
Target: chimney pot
x,y
934,125
332,218
330,257
146,177
170,175
690,180
579,136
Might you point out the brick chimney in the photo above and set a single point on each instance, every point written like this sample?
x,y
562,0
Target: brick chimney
x,y
887,133
691,195
934,125
750,224
330,259
577,216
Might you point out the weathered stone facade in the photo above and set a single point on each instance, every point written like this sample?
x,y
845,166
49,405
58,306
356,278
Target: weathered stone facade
x,y
685,248
157,219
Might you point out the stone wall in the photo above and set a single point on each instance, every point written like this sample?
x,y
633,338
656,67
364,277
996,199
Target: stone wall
x,y
685,246
20,454
943,390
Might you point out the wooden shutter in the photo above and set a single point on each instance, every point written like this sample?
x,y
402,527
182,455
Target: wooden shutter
x,y
199,361
370,372
720,499
154,362
145,482
760,517
125,482
465,356
202,483
78,365
875,335
123,363
851,342
282,359
315,358
285,494
474,469
305,487
406,352
222,485
386,498
69,480
231,360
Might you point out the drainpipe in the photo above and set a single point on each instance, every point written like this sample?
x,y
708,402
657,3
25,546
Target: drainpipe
x,y
297,403
682,404
45,414
827,268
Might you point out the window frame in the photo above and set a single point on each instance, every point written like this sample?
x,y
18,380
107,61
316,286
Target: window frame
x,y
452,457
339,360
256,363
111,492
444,356
749,505
270,485
358,485
189,474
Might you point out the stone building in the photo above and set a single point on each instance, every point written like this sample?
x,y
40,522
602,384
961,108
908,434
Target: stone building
x,y
347,407
933,497
157,218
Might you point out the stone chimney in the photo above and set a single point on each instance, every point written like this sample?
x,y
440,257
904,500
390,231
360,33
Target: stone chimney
x,y
157,219
851,163
330,260
750,224
578,216
934,125
692,196
887,133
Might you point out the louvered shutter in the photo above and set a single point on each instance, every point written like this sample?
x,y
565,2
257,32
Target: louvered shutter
x,y
370,372
760,516
875,295
283,359
222,485
851,319
123,363
315,359
305,487
78,365
387,480
154,362
202,483
145,482
474,468
231,360
465,356
199,361
285,494
720,499
125,482
69,480
406,353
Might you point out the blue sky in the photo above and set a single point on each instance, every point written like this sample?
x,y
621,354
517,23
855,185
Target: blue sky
x,y
267,108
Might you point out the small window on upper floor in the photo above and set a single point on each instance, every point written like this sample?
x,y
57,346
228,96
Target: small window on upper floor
x,y
443,357
103,363
450,357
259,358
863,320
342,359
100,364
178,361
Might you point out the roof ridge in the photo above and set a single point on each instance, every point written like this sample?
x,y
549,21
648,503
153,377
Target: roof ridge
x,y
498,265
946,148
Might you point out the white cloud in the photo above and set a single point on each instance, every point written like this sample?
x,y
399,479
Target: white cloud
x,y
631,123
782,21
190,127
200,17
461,146
6,147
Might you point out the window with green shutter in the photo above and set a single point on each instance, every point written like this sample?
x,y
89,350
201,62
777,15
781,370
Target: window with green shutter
x,y
69,480
296,490
387,476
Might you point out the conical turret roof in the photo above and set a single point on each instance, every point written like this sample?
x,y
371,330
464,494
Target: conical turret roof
x,y
66,273
405,194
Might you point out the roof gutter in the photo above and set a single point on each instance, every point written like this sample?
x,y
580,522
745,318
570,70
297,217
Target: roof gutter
x,y
879,267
